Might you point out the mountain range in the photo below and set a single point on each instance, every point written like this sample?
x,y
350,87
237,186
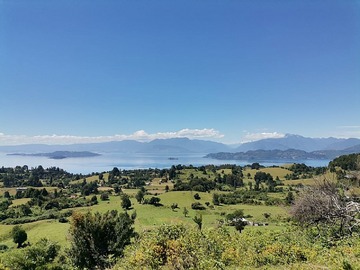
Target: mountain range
x,y
316,147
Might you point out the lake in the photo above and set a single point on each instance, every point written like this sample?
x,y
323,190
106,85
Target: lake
x,y
107,161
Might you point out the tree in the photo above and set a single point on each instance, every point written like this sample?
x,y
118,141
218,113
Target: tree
x,y
7,195
290,198
255,166
19,235
172,172
117,189
94,199
328,209
140,196
125,201
154,201
198,220
261,177
215,199
236,219
98,239
104,196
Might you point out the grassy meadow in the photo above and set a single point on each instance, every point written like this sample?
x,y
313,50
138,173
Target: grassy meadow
x,y
256,247
148,216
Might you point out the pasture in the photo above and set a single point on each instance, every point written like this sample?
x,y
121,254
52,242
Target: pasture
x,y
150,216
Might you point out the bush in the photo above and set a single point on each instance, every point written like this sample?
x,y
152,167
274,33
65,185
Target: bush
x,y
197,206
38,256
63,220
180,247
153,201
104,196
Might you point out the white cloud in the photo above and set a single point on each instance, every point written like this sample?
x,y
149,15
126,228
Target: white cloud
x,y
250,137
139,135
348,131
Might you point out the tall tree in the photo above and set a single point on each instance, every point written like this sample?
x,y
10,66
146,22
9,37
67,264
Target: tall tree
x,y
125,201
19,235
98,239
140,196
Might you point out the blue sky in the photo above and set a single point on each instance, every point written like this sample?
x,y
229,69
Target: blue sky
x,y
228,71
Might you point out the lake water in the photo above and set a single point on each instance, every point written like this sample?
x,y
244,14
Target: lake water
x,y
107,161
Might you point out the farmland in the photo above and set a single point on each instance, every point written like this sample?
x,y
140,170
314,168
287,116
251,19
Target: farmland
x,y
171,197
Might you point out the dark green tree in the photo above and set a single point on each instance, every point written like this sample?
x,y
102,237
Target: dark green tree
x,y
140,196
172,172
216,199
97,240
104,196
125,201
19,235
154,201
198,220
7,194
290,198
236,219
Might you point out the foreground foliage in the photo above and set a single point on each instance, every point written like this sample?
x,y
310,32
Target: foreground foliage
x,y
97,240
38,256
178,247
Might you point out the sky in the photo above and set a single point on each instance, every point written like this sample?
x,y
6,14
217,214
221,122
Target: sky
x,y
227,71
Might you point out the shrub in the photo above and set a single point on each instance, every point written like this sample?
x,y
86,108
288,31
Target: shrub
x,y
33,257
104,196
197,206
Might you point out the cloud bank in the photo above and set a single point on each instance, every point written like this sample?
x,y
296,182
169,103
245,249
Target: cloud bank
x,y
250,137
140,135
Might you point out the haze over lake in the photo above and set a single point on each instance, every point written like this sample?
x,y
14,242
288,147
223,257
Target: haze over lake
x,y
107,161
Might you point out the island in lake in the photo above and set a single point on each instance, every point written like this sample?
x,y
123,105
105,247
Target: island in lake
x,y
59,154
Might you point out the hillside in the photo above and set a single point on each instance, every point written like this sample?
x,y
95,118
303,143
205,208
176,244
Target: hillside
x,y
291,141
263,155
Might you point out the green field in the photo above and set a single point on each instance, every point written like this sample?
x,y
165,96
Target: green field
x,y
148,216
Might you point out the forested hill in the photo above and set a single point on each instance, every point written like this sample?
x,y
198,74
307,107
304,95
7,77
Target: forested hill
x,y
289,154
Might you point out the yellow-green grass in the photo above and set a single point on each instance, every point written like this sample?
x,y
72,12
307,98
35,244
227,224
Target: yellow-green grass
x,y
19,202
158,186
185,174
91,179
149,216
305,182
102,189
275,172
224,171
51,229
312,181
